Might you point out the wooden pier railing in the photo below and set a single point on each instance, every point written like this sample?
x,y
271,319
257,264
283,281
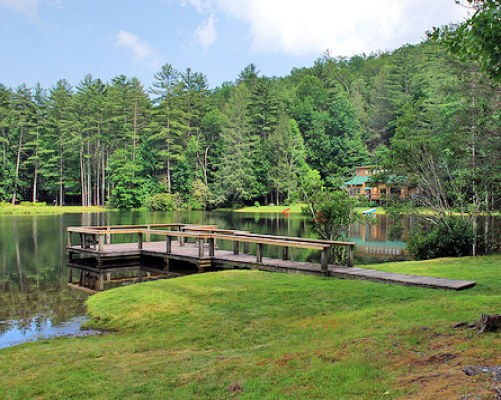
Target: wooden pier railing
x,y
95,239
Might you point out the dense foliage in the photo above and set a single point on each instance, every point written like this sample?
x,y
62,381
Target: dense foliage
x,y
418,110
451,238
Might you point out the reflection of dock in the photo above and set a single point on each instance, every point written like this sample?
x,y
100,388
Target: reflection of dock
x,y
372,239
380,248
99,260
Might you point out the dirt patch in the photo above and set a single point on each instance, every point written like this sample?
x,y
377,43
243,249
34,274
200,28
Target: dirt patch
x,y
235,388
438,371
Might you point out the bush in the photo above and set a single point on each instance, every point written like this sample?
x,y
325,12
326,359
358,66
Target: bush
x,y
163,202
451,238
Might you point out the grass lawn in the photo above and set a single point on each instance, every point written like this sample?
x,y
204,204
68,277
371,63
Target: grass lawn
x,y
41,209
258,335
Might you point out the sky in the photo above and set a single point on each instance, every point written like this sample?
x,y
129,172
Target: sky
x,y
47,40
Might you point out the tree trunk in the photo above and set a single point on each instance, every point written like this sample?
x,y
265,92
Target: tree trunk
x,y
103,178
489,323
82,178
134,131
89,177
35,172
18,163
61,177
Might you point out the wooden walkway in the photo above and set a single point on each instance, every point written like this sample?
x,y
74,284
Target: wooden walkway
x,y
103,259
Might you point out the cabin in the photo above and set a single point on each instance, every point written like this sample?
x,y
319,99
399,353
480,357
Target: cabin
x,y
363,184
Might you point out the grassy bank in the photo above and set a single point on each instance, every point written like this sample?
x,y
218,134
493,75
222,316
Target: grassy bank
x,y
256,335
43,209
294,209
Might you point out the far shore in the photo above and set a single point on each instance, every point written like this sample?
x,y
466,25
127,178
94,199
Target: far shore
x,y
43,209
296,209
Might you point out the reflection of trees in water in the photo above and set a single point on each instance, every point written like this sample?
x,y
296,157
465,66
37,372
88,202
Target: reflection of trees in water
x,y
38,306
33,275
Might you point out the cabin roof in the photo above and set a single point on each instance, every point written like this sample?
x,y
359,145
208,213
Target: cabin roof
x,y
357,180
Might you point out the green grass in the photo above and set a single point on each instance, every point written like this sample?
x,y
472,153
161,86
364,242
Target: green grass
x,y
293,209
43,209
278,336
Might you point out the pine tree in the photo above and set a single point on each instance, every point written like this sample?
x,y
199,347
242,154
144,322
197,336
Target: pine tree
x,y
235,178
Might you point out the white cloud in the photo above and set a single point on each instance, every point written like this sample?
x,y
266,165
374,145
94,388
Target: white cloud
x,y
27,7
309,27
200,5
206,33
140,48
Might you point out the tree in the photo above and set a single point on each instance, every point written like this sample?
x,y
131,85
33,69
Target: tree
x,y
6,115
478,38
329,212
287,157
125,175
168,126
23,123
36,138
58,146
235,180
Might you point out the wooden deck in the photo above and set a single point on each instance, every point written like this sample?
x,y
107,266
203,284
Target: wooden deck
x,y
103,259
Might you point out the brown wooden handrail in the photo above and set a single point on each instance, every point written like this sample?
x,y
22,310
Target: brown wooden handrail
x,y
100,235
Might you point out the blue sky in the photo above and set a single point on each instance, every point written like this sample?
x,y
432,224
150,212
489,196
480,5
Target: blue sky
x,y
45,40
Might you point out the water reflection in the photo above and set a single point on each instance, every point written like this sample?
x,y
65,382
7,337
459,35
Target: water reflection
x,y
35,300
37,329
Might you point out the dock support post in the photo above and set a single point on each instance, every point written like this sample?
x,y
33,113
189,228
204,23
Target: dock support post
x,y
200,247
285,253
349,256
101,243
70,276
140,240
212,245
168,244
148,236
68,237
100,282
324,261
166,264
108,235
259,252
181,238
236,247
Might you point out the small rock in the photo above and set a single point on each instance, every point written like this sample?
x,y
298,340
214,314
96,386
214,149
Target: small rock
x,y
494,371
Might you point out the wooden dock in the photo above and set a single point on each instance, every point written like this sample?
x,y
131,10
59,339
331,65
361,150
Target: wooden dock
x,y
98,259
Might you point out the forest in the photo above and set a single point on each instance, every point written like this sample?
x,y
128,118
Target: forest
x,y
419,111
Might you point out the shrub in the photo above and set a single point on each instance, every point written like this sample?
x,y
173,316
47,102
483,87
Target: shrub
x,y
450,238
163,202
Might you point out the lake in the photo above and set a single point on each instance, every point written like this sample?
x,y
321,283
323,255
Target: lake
x,y
35,302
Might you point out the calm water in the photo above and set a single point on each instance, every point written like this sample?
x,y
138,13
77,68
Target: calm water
x,y
35,302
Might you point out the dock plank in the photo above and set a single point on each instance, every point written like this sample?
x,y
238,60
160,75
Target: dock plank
x,y
226,258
